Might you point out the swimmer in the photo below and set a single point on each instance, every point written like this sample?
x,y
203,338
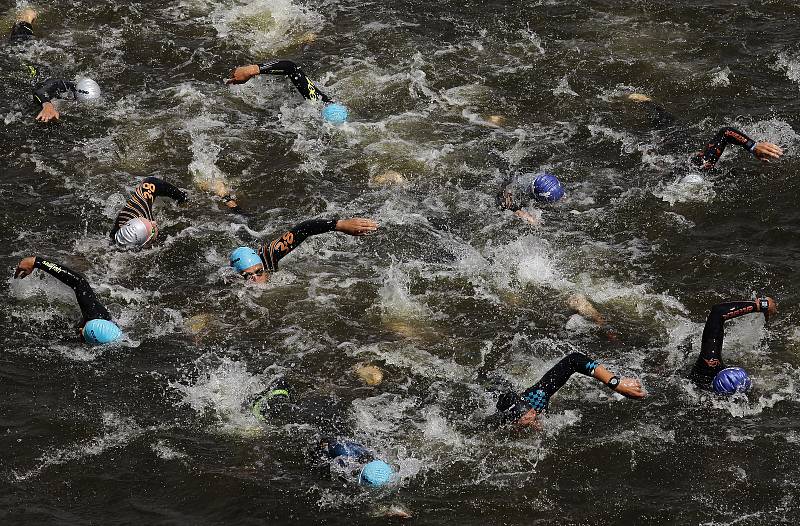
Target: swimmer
x,y
707,159
517,190
134,226
581,305
332,112
657,115
276,404
257,266
82,90
96,326
709,371
226,195
23,27
524,409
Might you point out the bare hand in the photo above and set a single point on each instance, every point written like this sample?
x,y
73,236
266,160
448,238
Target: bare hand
x,y
631,387
357,226
766,151
528,217
242,74
25,267
48,113
529,420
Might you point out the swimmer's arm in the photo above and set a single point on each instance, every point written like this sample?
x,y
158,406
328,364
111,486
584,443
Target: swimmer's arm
x,y
161,188
242,74
708,158
277,249
504,198
580,304
44,94
64,274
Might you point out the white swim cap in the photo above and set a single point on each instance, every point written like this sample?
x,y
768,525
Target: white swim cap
x,y
136,233
87,89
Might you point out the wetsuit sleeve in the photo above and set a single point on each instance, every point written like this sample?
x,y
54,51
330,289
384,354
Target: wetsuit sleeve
x,y
140,202
538,395
53,89
91,308
21,32
709,363
708,158
271,253
295,73
658,114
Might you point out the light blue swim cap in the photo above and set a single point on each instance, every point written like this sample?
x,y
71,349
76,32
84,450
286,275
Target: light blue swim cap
x,y
547,187
243,258
335,113
375,474
99,331
731,380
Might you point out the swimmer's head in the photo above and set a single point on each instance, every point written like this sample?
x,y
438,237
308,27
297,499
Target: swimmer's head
x,y
136,233
247,263
271,402
511,407
547,187
731,380
86,89
375,474
335,113
98,332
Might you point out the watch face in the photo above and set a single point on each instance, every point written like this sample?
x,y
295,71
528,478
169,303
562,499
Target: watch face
x,y
613,382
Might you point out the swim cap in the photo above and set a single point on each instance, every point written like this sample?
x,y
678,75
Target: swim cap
x,y
137,232
375,474
731,380
243,258
547,187
87,89
269,403
335,113
99,331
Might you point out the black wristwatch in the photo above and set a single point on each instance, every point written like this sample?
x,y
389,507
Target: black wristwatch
x,y
613,383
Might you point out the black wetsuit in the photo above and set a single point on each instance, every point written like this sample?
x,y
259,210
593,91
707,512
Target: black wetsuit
x,y
515,191
709,363
708,158
271,253
91,308
21,32
54,89
295,73
140,202
657,115
512,406
278,404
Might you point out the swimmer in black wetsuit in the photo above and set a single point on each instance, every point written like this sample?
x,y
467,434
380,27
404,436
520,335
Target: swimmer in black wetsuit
x,y
258,266
23,27
307,89
522,410
709,364
96,326
134,226
82,90
708,158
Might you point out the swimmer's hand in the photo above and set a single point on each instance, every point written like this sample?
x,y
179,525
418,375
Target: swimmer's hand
x,y
529,420
772,310
631,387
242,74
48,113
767,151
25,267
357,226
528,217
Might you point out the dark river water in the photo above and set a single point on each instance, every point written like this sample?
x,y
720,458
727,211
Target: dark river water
x,y
153,430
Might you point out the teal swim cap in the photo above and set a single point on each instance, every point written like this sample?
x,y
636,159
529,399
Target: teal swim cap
x,y
99,331
375,474
243,258
335,113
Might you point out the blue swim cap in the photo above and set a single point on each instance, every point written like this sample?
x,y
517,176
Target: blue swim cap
x,y
335,113
243,258
547,187
731,380
101,331
375,474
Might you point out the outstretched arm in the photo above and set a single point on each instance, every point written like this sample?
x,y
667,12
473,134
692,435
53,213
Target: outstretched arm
x,y
271,253
536,398
91,308
708,158
44,94
709,363
140,202
287,68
